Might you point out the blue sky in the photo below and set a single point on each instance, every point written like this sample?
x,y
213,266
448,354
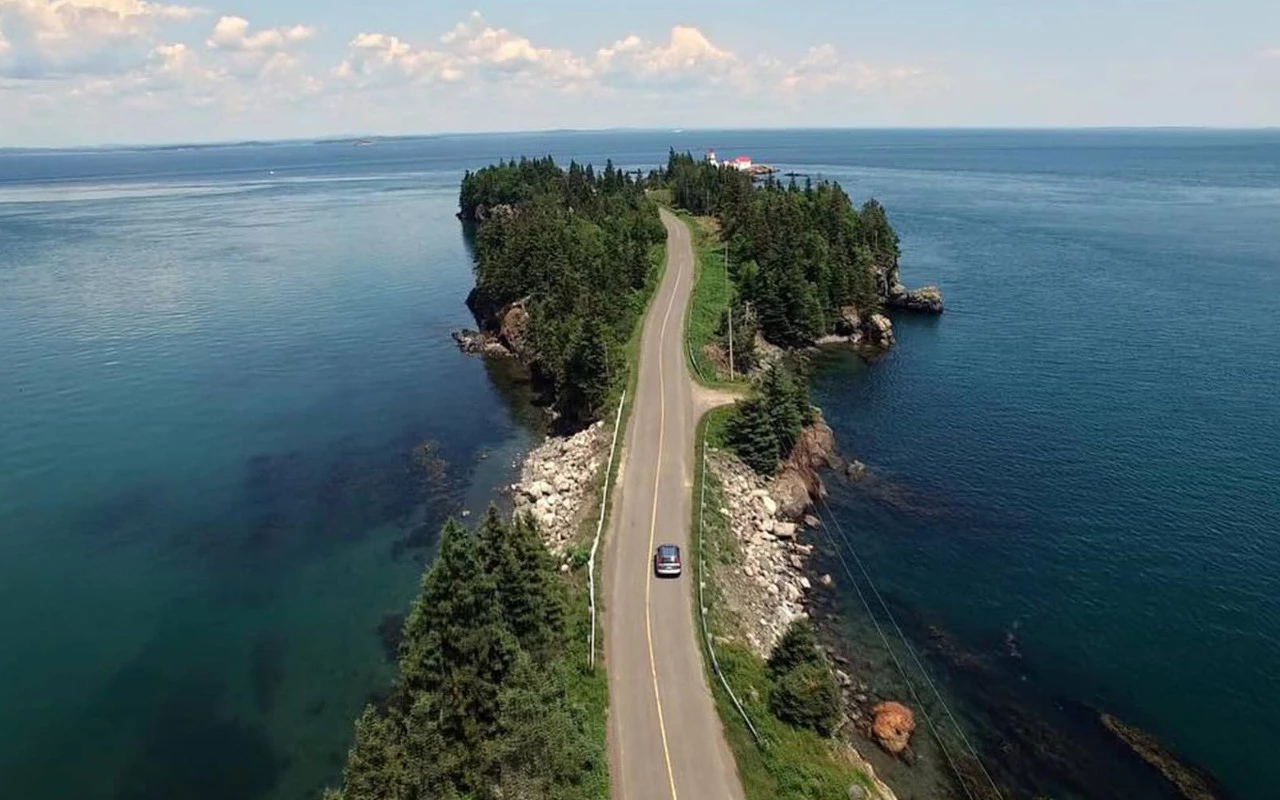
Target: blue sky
x,y
124,71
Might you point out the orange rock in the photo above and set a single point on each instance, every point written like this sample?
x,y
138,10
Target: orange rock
x,y
893,725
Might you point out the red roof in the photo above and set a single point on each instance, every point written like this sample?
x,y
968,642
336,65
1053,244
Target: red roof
x,y
742,159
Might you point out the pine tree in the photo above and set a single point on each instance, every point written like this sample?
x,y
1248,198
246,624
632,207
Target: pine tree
x,y
778,394
457,645
798,645
807,697
541,749
532,602
377,767
752,435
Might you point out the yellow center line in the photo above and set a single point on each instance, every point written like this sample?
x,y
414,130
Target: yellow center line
x,y
653,525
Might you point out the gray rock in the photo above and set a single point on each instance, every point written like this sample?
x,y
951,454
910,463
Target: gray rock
x,y
856,471
538,489
811,521
784,530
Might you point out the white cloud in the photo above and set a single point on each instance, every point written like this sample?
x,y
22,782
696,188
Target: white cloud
x,y
688,56
375,57
483,47
232,33
55,38
471,50
1273,53
99,58
248,56
822,68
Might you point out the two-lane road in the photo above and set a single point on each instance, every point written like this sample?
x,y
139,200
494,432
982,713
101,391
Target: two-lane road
x,y
665,737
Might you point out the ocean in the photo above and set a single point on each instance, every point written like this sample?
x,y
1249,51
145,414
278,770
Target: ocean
x,y
232,420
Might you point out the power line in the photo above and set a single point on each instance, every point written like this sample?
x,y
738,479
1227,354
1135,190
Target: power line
x,y
911,687
912,651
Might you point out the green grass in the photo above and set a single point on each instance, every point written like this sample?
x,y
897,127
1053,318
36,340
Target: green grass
x,y
789,763
712,291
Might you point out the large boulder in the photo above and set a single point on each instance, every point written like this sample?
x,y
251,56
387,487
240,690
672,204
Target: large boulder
x,y
893,726
816,446
879,330
791,490
926,299
513,329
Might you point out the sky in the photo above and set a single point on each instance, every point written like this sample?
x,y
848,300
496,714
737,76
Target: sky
x,y
90,72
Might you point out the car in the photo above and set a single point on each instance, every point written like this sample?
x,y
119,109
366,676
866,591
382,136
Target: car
x,y
666,561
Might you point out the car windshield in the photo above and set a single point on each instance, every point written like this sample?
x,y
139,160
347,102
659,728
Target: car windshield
x,y
667,553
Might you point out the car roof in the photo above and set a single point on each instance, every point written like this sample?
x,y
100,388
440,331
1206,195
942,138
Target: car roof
x,y
668,549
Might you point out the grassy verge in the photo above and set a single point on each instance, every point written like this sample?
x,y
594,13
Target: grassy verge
x,y
789,763
712,291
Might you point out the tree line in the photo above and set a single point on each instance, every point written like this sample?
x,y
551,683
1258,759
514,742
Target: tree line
x,y
575,246
484,705
798,255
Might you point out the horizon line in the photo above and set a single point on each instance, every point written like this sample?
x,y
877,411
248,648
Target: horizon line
x,y
334,138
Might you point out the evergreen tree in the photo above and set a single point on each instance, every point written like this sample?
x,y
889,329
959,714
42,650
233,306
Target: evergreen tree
x,y
804,692
540,748
807,697
778,395
753,437
517,561
797,646
377,768
458,647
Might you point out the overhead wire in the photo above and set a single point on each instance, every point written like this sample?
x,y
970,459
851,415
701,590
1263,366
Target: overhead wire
x,y
960,778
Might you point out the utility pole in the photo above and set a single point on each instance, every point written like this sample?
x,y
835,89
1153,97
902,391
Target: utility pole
x,y
729,288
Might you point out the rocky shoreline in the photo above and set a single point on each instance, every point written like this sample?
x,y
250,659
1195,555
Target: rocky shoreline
x,y
773,582
557,482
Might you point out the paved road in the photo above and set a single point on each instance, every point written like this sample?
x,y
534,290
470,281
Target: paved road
x,y
665,737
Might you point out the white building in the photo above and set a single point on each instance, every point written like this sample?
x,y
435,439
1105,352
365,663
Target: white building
x,y
741,162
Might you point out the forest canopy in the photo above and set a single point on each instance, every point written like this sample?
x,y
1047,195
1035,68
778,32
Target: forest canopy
x,y
799,255
576,248
493,698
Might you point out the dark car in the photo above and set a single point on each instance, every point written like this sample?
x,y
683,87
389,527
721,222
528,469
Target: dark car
x,y
666,561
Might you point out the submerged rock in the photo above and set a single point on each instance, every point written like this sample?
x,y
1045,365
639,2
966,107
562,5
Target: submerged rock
x,y
1189,783
856,471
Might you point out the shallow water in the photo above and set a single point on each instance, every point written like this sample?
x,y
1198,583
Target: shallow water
x,y
216,380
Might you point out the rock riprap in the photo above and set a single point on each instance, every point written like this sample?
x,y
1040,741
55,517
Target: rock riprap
x,y
557,481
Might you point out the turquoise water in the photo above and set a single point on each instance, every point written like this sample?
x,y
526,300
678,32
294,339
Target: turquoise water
x,y
216,378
